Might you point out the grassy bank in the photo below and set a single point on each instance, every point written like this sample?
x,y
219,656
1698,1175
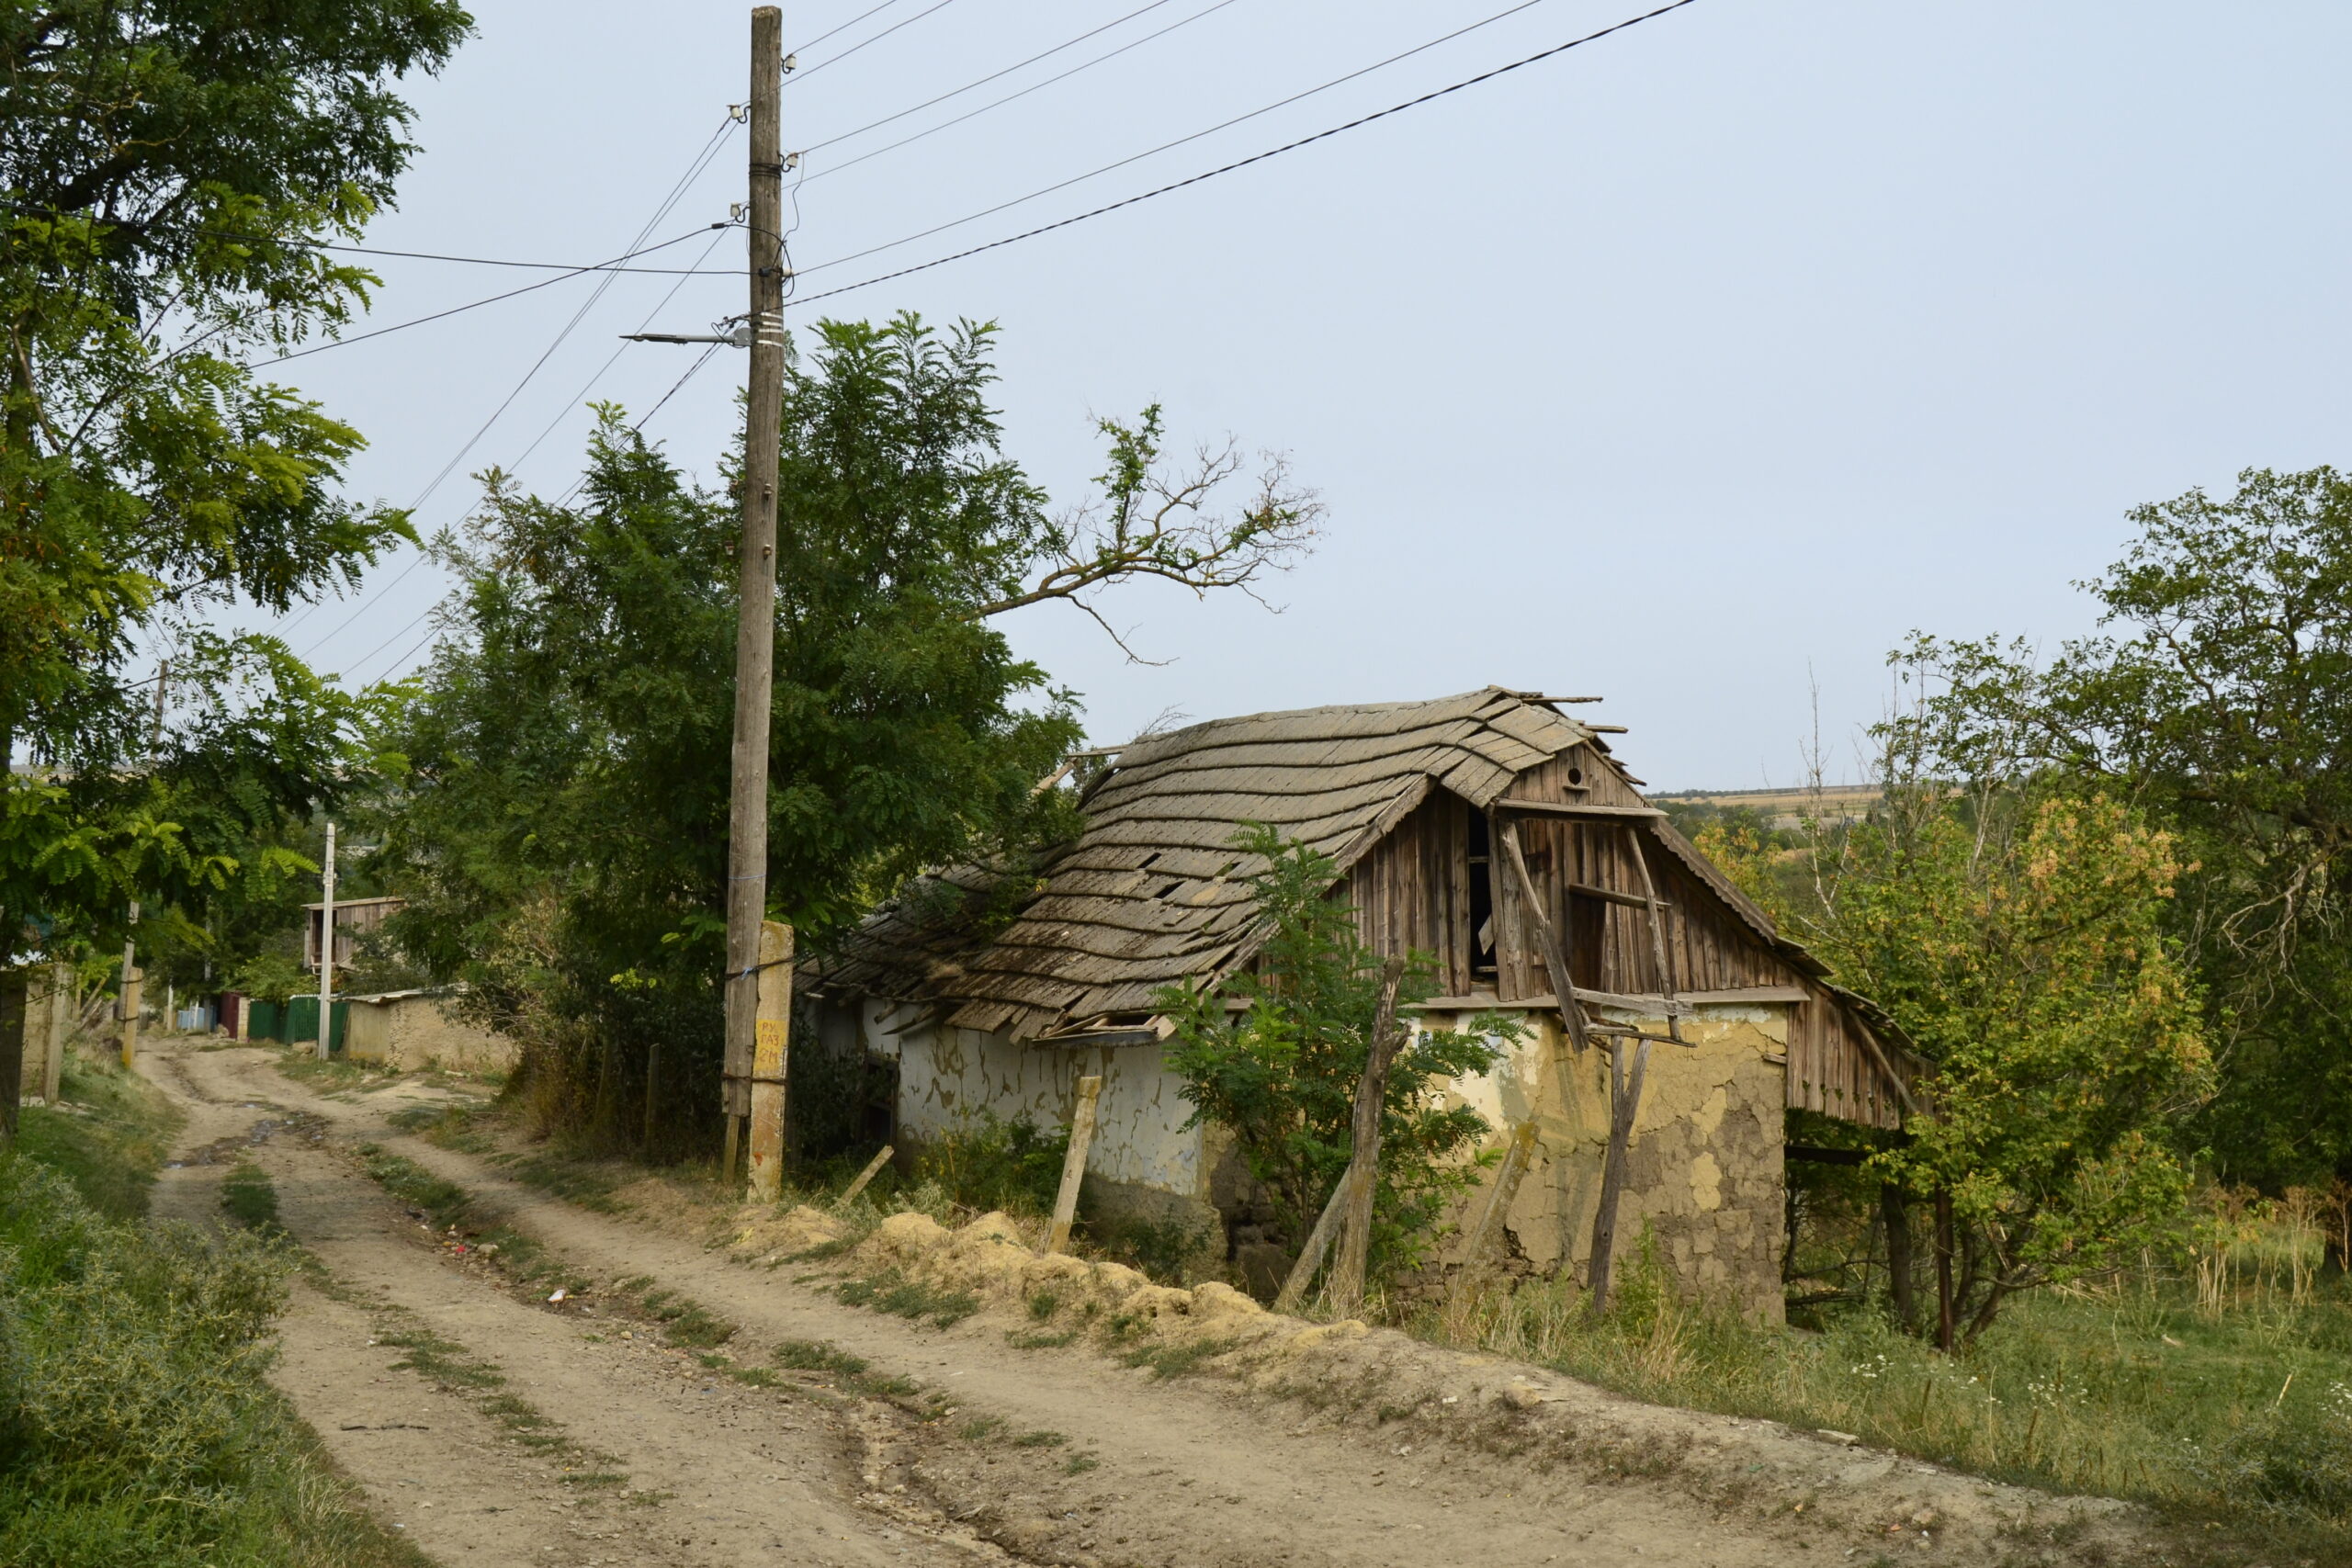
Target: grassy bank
x,y
136,1428
2233,1416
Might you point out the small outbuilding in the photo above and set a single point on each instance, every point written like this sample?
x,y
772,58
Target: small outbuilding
x,y
1491,830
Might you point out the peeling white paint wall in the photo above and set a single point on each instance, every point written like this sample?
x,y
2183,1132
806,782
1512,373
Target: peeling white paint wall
x,y
947,1077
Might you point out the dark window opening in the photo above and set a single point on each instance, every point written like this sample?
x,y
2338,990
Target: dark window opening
x,y
1481,933
1588,941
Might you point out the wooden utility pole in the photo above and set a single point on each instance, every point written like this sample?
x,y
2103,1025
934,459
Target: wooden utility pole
x,y
326,947
131,1000
770,1032
747,817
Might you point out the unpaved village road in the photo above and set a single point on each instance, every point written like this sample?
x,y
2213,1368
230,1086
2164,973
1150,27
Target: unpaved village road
x,y
1127,1469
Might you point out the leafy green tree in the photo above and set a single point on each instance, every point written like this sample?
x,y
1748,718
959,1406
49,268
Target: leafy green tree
x,y
562,829
1280,1074
2018,937
2220,701
167,178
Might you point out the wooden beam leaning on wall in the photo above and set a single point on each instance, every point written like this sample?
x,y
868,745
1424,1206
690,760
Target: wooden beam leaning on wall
x,y
1347,1216
1081,1134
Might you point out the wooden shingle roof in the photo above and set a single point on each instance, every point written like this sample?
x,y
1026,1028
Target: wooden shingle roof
x,y
1153,891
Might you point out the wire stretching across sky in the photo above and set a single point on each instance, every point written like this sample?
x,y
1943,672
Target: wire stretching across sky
x,y
1009,97
700,162
1182,141
1255,157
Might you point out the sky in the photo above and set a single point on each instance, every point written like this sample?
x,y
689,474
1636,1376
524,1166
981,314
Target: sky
x,y
1694,368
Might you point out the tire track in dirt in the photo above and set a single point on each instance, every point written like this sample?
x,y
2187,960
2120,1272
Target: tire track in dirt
x,y
1184,1472
716,1473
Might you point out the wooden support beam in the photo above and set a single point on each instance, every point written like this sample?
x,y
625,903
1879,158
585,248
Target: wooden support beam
x,y
1555,963
1081,1134
1611,894
1354,1260
1578,813
1658,933
1371,1088
1624,1101
873,1169
1516,1159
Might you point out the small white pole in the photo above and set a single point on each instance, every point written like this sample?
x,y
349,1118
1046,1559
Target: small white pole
x,y
326,948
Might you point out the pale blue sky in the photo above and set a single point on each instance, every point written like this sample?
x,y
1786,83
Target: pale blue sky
x,y
1689,368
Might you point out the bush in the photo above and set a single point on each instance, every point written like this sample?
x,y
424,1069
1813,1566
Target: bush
x,y
134,1424
990,1163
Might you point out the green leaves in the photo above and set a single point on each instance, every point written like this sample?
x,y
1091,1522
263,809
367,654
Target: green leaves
x,y
1281,1073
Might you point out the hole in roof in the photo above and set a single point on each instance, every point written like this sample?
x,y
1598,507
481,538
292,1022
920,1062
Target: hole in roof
x,y
1149,860
1170,888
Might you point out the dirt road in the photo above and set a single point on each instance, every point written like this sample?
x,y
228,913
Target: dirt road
x,y
496,1428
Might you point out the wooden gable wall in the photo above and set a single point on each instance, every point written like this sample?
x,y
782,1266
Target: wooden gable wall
x,y
1422,886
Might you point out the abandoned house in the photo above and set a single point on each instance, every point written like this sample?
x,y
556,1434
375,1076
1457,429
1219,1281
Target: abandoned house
x,y
1491,830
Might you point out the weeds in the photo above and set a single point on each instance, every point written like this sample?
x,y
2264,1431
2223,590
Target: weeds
x,y
250,1199
850,1371
1021,1339
1176,1360
893,1293
987,1163
138,1428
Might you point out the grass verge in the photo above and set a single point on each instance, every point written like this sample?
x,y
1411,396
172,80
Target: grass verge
x,y
459,1372
2236,1424
135,1426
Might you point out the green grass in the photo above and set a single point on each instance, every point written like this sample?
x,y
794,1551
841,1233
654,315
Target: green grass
x,y
112,1145
2238,1418
849,1371
139,1428
683,1321
457,1369
334,1076
1025,1340
893,1293
1176,1360
1079,1464
250,1199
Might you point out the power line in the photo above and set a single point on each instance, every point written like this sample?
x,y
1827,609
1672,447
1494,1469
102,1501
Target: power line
x,y
1009,97
807,71
1196,136
1254,158
685,182
983,81
845,27
474,305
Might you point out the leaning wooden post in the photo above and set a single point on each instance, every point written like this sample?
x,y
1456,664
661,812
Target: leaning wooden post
x,y
873,1169
1361,1175
771,1044
1081,1134
1624,1101
1348,1270
1516,1159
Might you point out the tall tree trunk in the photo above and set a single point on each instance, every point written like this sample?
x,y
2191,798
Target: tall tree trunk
x,y
1897,1218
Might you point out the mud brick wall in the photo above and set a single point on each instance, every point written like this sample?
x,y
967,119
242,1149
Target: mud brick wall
x,y
1703,1179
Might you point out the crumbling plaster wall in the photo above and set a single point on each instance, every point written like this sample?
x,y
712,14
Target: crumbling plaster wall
x,y
1703,1174
419,1031
1143,1159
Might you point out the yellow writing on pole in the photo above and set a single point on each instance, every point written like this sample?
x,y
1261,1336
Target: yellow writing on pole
x,y
768,1048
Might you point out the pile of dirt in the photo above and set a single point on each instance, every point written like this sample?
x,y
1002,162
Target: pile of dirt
x,y
1350,1371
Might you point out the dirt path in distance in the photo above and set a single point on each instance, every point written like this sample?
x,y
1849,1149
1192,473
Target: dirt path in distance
x,y
1119,1468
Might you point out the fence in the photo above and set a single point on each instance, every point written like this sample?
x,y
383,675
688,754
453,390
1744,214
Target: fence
x,y
295,1021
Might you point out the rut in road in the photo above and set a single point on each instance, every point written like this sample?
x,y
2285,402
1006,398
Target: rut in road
x,y
1119,1467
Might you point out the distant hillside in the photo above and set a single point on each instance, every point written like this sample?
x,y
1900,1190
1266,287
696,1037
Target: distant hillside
x,y
1779,807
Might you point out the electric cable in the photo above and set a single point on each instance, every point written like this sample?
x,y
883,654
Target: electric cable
x,y
461,309
677,191
1011,97
1254,158
983,81
1196,136
836,59
843,27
